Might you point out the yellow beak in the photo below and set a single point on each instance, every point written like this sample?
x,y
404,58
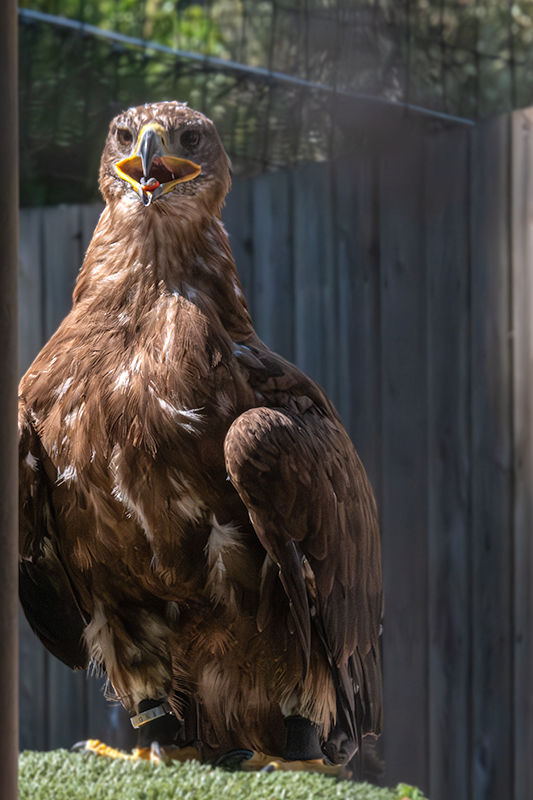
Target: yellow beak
x,y
152,171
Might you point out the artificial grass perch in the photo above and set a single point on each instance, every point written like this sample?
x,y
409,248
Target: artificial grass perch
x,y
59,775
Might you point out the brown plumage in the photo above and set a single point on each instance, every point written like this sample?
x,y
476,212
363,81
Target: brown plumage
x,y
194,517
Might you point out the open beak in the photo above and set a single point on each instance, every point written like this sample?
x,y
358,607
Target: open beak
x,y
152,171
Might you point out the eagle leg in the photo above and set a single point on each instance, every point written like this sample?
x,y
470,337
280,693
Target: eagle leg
x,y
166,730
301,742
164,737
340,748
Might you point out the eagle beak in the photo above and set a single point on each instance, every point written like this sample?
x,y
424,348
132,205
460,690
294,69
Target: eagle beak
x,y
152,171
150,146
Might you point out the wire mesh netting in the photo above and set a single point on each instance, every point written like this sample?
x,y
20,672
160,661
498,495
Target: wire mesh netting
x,y
282,79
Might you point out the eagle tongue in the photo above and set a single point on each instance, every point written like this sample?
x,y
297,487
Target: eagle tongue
x,y
149,191
150,184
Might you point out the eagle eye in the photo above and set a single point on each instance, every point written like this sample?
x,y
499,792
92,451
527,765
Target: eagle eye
x,y
124,136
189,139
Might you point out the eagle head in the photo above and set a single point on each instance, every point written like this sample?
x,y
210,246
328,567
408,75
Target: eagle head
x,y
157,153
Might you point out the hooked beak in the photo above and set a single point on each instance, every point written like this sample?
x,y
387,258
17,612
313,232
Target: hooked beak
x,y
152,171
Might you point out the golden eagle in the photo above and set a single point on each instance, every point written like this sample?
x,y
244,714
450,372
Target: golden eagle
x,y
193,515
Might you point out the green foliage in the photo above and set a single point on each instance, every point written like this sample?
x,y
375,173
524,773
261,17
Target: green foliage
x,y
193,27
59,775
463,58
406,792
471,58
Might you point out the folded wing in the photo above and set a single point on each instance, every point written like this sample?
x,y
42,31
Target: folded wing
x,y
312,508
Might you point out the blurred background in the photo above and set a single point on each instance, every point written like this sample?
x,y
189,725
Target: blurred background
x,y
291,77
381,221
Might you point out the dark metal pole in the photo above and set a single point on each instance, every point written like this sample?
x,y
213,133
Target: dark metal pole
x,y
9,734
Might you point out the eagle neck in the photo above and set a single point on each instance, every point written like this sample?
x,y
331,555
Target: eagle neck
x,y
136,260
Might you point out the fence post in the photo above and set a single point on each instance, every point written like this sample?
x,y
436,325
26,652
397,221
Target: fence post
x,y
8,401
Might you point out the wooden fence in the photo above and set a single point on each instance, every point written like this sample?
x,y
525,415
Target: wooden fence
x,y
400,279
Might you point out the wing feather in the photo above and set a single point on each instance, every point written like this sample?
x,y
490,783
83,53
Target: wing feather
x,y
308,495
46,593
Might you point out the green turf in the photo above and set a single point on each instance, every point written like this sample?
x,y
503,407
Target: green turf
x,y
60,775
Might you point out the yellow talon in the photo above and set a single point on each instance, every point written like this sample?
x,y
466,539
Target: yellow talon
x,y
160,754
156,754
101,749
260,761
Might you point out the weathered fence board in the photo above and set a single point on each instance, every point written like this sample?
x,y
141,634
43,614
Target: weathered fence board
x,y
315,317
491,520
522,280
448,364
273,289
34,720
400,278
238,215
62,256
358,300
66,704
31,317
404,501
